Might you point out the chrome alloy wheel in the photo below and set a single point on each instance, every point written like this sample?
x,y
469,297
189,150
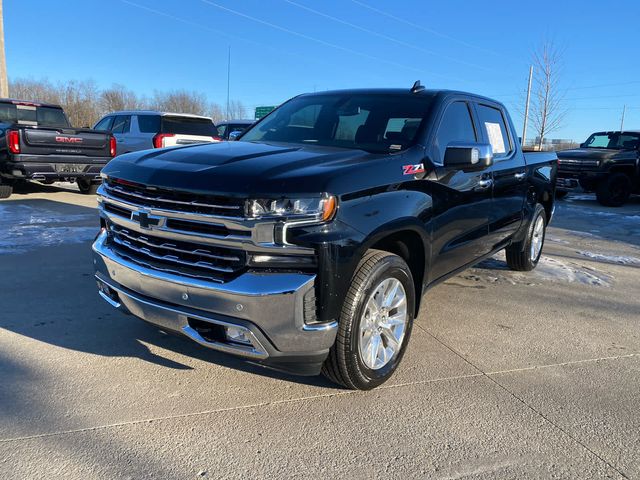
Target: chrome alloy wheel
x,y
383,324
537,238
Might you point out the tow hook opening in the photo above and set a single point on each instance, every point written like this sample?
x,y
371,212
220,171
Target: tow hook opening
x,y
108,293
214,333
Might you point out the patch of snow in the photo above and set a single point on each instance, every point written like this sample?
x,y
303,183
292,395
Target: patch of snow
x,y
26,228
621,260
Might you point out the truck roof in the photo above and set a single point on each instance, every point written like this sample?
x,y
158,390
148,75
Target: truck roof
x,y
157,112
615,131
29,102
403,91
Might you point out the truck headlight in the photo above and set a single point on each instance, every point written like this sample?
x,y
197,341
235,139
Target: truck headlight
x,y
317,208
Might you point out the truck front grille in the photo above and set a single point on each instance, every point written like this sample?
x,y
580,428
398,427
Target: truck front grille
x,y
152,197
178,257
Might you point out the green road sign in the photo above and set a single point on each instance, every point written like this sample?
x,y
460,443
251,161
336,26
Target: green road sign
x,y
263,111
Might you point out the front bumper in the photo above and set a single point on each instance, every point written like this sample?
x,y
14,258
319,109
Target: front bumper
x,y
570,179
268,307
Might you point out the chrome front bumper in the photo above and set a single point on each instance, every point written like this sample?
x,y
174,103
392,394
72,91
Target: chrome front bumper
x,y
268,306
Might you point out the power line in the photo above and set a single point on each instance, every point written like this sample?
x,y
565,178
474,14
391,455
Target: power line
x,y
387,37
322,42
425,29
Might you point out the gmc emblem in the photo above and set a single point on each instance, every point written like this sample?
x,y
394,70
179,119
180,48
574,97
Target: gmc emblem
x,y
69,139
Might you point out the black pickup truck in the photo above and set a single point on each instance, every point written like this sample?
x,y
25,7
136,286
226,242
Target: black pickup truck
x,y
308,244
38,143
608,163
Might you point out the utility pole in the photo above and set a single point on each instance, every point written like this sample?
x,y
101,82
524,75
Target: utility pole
x,y
228,79
4,83
526,107
624,109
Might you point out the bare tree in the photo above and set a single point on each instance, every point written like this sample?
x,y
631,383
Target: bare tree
x,y
34,90
216,113
547,112
119,97
180,101
236,109
80,99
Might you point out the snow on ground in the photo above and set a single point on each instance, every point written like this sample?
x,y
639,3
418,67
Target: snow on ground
x,y
620,260
495,270
24,228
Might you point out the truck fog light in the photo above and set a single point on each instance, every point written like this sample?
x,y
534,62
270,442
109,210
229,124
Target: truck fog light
x,y
237,335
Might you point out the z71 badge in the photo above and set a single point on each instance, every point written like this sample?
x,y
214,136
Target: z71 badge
x,y
413,169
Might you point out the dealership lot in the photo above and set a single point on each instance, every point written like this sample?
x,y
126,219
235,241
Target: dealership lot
x,y
507,374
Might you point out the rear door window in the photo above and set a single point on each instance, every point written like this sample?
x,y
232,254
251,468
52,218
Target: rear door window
x,y
149,123
188,126
495,129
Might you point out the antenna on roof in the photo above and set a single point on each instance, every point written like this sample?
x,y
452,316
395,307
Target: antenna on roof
x,y
417,87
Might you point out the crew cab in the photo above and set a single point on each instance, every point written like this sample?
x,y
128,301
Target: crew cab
x,y
608,163
143,129
37,142
308,244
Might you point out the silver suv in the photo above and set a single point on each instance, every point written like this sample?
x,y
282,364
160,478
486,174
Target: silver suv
x,y
143,129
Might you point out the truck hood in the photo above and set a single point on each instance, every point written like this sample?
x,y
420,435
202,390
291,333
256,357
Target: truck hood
x,y
589,154
241,168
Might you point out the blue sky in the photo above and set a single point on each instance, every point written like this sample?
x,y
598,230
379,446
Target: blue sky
x,y
280,48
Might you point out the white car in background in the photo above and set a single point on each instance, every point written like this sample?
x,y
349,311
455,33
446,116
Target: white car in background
x,y
143,129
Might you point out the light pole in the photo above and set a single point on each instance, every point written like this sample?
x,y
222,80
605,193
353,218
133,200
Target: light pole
x,y
4,83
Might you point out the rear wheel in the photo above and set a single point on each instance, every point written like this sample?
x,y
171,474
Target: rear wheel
x,y
524,256
615,190
5,190
375,323
87,186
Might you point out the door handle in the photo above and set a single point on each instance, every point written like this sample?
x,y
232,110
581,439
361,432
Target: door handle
x,y
520,175
485,183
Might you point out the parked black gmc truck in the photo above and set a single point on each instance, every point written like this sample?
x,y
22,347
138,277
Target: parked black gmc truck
x,y
308,244
608,163
38,143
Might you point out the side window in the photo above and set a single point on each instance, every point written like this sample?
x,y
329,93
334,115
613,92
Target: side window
x,y
104,124
222,130
456,126
495,129
121,124
149,123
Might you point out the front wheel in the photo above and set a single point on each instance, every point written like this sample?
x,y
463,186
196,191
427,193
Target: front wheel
x,y
375,323
87,187
525,255
615,190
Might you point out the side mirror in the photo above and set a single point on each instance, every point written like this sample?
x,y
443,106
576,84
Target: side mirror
x,y
234,135
468,156
583,145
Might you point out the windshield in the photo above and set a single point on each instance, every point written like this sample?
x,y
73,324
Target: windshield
x,y
613,141
33,115
189,126
377,123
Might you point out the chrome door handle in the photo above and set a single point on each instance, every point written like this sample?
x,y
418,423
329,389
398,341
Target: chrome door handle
x,y
520,175
486,183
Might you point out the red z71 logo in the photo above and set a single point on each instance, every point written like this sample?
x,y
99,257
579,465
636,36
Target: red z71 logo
x,y
69,139
413,169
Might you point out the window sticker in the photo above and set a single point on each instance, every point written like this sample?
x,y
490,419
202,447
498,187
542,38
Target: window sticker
x,y
495,137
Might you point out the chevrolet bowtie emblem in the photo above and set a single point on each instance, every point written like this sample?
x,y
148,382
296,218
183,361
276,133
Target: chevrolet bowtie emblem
x,y
145,220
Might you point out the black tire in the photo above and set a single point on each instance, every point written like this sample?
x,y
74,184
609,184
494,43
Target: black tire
x,y
615,190
87,187
344,364
560,194
6,190
519,255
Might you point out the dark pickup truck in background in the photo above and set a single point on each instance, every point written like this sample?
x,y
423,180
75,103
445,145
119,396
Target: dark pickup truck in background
x,y
38,143
608,163
308,244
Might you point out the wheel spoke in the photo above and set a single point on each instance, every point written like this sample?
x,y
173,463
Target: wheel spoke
x,y
391,294
391,340
374,348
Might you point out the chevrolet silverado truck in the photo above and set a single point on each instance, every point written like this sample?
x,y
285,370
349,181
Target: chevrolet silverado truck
x,y
38,143
608,163
308,244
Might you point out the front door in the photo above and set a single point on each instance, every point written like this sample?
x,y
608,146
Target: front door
x,y
461,199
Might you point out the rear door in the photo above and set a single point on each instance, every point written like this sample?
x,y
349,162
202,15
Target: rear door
x,y
461,199
509,173
120,130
